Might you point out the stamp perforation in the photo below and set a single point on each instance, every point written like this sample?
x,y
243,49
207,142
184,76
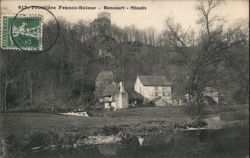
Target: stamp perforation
x,y
26,16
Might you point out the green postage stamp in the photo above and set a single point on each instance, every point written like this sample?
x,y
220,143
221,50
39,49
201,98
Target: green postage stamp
x,y
22,32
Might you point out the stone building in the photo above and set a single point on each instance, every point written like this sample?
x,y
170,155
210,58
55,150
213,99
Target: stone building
x,y
114,96
152,87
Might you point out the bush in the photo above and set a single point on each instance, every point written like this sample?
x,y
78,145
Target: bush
x,y
196,123
109,130
39,138
13,143
95,110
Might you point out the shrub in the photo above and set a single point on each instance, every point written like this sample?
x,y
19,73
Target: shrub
x,y
39,138
196,122
109,130
13,143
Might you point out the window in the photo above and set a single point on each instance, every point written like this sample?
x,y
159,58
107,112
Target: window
x,y
163,94
156,88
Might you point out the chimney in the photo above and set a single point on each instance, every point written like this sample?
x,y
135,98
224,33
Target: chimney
x,y
121,87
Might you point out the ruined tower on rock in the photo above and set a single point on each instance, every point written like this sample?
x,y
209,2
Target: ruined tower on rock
x,y
102,24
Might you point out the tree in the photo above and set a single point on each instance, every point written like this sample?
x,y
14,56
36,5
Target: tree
x,y
150,32
7,71
210,46
104,78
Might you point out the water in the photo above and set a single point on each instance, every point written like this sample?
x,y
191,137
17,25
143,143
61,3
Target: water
x,y
224,143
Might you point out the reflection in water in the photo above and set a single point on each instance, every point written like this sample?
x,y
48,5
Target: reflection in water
x,y
108,149
157,140
226,143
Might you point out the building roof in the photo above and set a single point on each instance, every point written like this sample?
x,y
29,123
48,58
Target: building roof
x,y
154,81
110,89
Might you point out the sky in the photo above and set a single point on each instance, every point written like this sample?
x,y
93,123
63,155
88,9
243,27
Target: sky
x,y
154,16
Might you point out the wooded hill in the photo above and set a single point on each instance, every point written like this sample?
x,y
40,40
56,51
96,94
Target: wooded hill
x,y
64,76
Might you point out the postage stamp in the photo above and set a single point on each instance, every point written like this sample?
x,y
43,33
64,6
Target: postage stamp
x,y
22,32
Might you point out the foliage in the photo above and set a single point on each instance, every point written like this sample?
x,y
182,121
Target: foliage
x,y
63,78
109,130
104,78
196,122
211,47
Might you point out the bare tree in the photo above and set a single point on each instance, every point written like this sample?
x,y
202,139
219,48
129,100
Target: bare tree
x,y
211,46
8,77
150,32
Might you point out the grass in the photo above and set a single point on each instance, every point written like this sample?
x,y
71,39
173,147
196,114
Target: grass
x,y
24,131
22,123
213,109
159,112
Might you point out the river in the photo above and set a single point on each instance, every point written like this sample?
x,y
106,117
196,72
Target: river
x,y
219,143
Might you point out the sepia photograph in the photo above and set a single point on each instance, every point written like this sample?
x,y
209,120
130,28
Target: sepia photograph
x,y
124,79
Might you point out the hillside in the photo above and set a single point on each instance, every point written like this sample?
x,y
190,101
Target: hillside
x,y
64,77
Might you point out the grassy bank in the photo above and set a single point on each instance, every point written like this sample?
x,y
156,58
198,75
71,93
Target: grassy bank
x,y
27,131
35,131
21,123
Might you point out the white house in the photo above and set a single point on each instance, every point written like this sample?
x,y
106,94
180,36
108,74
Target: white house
x,y
114,96
151,87
212,93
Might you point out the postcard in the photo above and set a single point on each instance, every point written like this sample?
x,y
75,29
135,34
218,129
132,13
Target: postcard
x,y
124,79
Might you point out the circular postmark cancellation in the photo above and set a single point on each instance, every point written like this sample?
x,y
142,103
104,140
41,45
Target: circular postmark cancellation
x,y
24,31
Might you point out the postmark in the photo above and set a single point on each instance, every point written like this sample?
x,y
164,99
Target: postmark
x,y
28,30
22,32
